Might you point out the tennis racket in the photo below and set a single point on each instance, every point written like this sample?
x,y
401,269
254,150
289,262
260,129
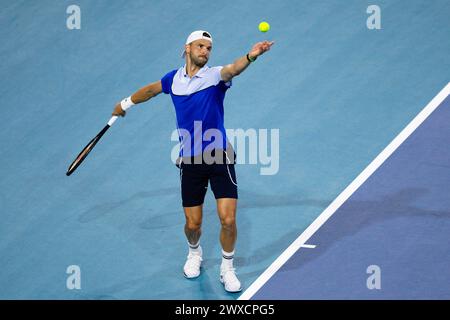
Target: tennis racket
x,y
83,154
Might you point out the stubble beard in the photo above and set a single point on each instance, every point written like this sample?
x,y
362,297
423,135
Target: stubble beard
x,y
198,61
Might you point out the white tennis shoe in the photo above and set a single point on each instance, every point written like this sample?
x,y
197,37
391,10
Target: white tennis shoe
x,y
230,282
192,266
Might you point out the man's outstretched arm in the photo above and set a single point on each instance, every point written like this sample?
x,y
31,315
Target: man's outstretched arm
x,y
229,71
142,95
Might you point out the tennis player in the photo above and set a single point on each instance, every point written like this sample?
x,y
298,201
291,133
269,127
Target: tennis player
x,y
198,92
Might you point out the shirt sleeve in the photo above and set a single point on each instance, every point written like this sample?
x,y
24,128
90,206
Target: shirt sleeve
x,y
167,80
224,85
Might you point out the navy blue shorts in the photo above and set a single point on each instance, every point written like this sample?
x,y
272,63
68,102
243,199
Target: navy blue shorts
x,y
195,176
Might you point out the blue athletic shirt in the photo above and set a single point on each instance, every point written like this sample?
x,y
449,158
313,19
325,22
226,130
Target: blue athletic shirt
x,y
198,105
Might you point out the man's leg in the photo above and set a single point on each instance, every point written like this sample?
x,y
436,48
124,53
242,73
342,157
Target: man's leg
x,y
224,185
193,231
194,183
193,225
226,208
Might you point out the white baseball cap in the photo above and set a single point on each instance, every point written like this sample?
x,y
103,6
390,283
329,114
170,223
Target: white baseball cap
x,y
197,35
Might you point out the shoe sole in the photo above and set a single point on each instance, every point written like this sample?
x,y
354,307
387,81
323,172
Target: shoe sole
x,y
184,274
239,290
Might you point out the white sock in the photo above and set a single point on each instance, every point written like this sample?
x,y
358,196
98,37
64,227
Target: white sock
x,y
195,248
227,260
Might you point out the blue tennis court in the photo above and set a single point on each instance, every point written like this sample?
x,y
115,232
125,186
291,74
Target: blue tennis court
x,y
337,92
396,222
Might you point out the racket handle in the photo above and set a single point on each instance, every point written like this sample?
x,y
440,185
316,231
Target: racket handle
x,y
112,120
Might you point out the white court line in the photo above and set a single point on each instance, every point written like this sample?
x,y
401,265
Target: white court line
x,y
331,209
308,246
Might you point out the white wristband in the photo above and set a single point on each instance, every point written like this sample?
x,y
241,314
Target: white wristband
x,y
126,103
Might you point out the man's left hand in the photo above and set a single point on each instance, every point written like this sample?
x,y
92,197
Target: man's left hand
x,y
259,48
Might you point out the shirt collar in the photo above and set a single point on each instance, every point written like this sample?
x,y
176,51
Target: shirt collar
x,y
199,74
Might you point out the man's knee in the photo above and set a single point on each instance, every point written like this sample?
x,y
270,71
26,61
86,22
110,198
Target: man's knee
x,y
228,222
193,224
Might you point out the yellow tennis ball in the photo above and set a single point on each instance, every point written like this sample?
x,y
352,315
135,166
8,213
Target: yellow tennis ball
x,y
264,26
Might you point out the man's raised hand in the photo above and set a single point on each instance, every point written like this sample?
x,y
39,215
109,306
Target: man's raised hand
x,y
260,47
